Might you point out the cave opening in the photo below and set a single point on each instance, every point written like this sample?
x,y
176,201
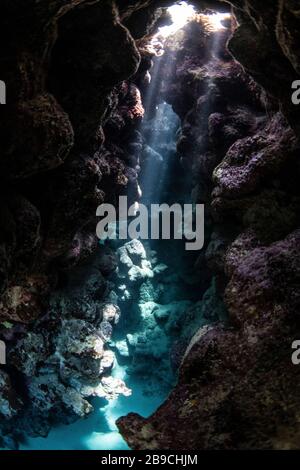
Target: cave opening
x,y
161,102
157,295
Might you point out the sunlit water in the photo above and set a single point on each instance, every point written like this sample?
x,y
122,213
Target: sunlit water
x,y
98,431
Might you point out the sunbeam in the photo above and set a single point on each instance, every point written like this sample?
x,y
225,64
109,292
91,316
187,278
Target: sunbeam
x,y
180,15
216,20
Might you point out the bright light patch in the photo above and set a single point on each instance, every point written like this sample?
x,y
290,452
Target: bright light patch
x,y
216,20
180,15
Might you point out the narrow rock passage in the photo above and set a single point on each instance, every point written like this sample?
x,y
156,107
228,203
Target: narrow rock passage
x,y
149,309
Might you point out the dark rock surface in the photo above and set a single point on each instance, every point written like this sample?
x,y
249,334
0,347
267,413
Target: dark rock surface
x,y
234,389
64,64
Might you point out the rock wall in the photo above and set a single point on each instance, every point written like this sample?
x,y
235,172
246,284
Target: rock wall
x,y
239,139
64,64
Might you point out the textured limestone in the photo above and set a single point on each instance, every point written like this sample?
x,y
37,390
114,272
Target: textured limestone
x,y
234,385
234,381
9,402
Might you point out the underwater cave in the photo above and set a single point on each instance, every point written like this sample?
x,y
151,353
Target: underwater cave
x,y
136,342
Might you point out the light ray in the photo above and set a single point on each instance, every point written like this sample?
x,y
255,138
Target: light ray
x,y
181,14
215,19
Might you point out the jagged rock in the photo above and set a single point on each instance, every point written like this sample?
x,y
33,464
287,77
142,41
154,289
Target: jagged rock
x,y
96,29
46,392
273,270
79,298
19,247
122,348
105,331
125,258
287,33
83,245
113,387
24,302
233,383
10,403
255,375
80,346
28,353
107,261
240,248
47,142
137,273
131,255
107,362
74,401
249,161
160,268
212,305
216,250
150,290
78,336
110,313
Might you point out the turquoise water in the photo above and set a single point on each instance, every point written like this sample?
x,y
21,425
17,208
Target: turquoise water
x,y
98,431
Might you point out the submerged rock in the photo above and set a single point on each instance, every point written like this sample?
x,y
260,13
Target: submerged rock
x,y
29,352
107,362
112,387
105,331
80,347
107,261
110,313
47,392
10,403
